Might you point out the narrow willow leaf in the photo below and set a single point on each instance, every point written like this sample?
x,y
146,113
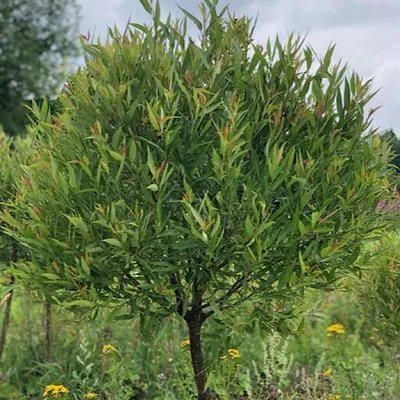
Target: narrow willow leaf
x,y
150,162
113,242
146,5
132,151
153,119
192,18
115,155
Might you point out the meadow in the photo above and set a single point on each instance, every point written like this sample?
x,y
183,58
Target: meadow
x,y
337,354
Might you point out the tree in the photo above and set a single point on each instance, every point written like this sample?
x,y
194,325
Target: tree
x,y
379,293
36,39
13,152
197,178
390,135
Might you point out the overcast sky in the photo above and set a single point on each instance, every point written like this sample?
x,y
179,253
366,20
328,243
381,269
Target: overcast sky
x,y
366,33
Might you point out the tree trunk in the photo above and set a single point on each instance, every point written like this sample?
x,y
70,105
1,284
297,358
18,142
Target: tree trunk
x,y
47,328
195,323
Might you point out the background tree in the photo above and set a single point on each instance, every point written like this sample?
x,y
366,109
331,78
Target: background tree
x,y
13,153
37,37
194,179
379,291
390,136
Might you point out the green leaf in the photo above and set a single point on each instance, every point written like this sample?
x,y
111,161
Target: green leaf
x,y
132,151
49,275
44,109
153,119
328,58
248,227
317,91
153,187
302,264
80,303
113,242
146,5
192,18
346,94
115,155
303,230
85,267
197,216
314,218
150,162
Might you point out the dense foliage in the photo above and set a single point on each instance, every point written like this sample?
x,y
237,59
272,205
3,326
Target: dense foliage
x,y
196,177
379,293
13,153
36,39
390,135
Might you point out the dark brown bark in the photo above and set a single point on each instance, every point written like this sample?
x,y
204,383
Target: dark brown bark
x,y
47,328
195,322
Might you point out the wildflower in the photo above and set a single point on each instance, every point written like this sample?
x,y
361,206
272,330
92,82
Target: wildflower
x,y
223,357
335,328
327,372
91,396
234,353
162,376
185,343
334,397
56,391
109,349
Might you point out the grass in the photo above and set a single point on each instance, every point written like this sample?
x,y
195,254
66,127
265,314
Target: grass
x,y
149,361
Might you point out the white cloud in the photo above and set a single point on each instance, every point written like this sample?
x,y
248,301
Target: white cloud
x,y
366,33
98,15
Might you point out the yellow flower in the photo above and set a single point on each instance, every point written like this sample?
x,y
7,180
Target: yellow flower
x,y
223,357
334,397
327,372
335,328
185,343
109,349
56,391
91,396
234,353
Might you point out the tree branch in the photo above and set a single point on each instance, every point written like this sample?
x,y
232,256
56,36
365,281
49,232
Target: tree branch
x,y
233,289
175,283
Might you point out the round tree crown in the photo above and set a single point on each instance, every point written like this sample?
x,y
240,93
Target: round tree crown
x,y
191,176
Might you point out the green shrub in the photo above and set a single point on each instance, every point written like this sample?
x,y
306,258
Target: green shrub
x,y
379,291
13,153
190,177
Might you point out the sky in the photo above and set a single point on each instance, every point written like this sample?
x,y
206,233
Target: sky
x,y
366,34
